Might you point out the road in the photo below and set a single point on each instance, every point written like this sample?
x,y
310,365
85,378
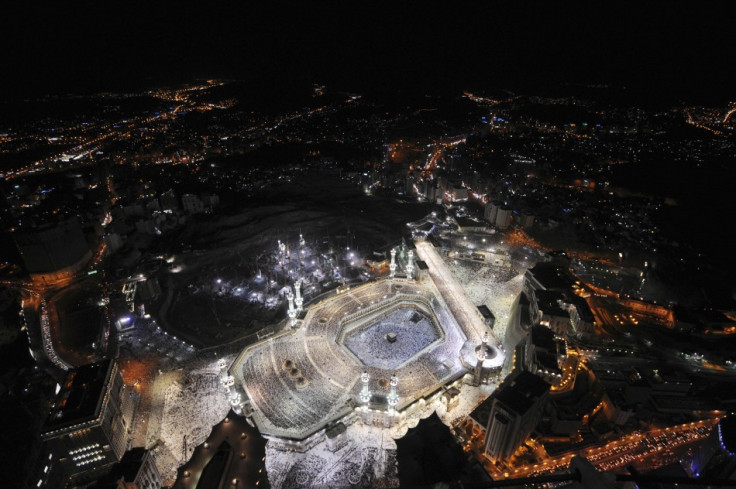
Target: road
x,y
653,447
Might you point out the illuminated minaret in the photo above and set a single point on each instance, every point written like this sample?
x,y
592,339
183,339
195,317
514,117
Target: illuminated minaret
x,y
228,381
392,266
292,311
365,393
481,354
298,301
393,397
410,265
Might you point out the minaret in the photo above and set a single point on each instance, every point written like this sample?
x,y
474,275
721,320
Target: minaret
x,y
365,393
478,372
481,353
292,311
410,265
228,381
235,401
298,301
392,266
393,397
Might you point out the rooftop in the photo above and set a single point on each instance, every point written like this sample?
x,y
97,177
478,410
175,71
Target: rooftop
x,y
127,469
552,277
485,312
520,393
80,397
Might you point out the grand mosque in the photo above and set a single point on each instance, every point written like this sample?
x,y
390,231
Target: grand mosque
x,y
371,354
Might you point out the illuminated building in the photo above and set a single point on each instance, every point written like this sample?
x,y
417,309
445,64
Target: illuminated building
x,y
373,354
525,220
544,353
468,225
503,218
486,364
491,210
510,415
90,420
136,470
378,262
551,312
457,193
581,317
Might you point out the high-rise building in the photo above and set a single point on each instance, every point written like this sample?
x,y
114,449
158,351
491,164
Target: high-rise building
x,y
88,428
491,210
515,410
503,218
525,219
544,354
136,470
192,204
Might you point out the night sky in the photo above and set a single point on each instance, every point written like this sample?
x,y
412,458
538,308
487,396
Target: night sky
x,y
667,50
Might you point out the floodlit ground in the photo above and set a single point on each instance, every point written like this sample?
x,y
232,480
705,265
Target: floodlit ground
x,y
330,214
496,287
368,457
413,331
367,460
186,404
300,380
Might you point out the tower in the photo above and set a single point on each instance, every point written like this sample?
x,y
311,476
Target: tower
x,y
87,429
477,374
292,311
393,396
298,301
365,393
392,266
482,352
228,381
410,265
515,411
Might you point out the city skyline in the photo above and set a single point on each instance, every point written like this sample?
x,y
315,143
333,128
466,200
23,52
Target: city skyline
x,y
663,51
369,246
